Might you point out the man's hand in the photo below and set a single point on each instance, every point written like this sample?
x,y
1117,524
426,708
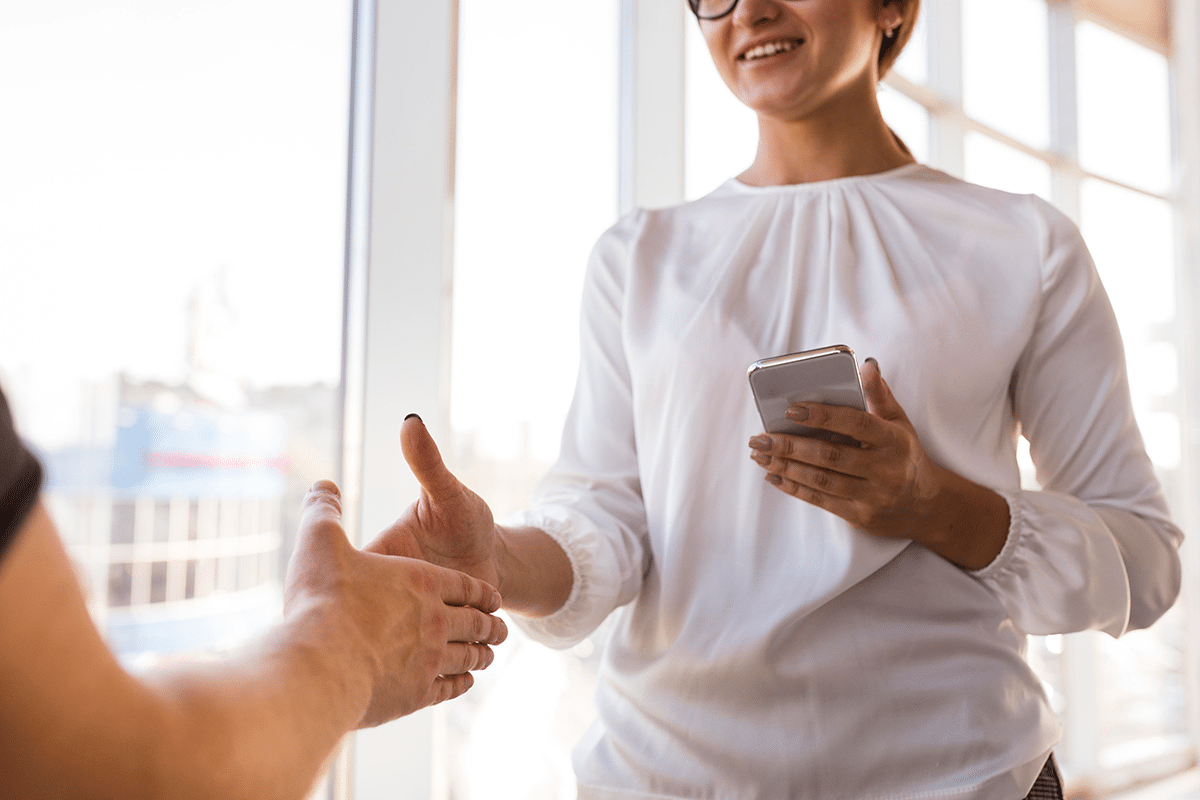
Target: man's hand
x,y
404,633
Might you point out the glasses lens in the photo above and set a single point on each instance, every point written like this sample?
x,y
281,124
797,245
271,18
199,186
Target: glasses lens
x,y
712,9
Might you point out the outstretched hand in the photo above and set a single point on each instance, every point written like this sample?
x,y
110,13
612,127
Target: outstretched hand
x,y
449,525
403,633
887,485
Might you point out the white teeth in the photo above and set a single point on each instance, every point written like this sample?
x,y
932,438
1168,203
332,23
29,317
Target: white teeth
x,y
770,49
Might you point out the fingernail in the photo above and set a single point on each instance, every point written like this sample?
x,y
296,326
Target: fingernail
x,y
796,414
763,459
496,600
761,442
325,486
774,479
418,416
871,360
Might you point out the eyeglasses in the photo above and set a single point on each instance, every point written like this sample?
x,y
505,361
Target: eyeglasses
x,y
712,9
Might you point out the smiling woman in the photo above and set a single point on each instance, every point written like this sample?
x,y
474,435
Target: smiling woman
x,y
752,598
889,49
824,57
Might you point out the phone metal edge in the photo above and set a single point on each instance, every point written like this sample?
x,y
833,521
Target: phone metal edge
x,y
791,358
805,355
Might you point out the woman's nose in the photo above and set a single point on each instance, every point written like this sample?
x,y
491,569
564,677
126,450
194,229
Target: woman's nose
x,y
751,13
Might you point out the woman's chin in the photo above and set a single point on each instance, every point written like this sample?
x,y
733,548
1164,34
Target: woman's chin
x,y
776,105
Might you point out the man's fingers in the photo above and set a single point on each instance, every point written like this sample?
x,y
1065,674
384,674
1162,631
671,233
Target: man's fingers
x,y
460,658
471,625
460,589
424,459
448,687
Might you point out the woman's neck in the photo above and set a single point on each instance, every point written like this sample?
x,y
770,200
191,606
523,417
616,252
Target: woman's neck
x,y
840,141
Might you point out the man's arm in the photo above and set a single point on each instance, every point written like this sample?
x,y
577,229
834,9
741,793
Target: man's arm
x,y
366,638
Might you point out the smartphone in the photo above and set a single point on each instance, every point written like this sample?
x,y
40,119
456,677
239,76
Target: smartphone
x,y
826,375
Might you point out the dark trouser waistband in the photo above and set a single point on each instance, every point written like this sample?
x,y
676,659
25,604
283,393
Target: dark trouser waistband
x,y
1048,785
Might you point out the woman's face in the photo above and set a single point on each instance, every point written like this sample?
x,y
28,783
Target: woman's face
x,y
787,58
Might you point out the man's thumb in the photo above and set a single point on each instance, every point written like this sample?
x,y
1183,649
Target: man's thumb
x,y
320,525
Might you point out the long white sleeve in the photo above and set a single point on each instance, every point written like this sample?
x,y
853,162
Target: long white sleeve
x,y
1095,548
591,502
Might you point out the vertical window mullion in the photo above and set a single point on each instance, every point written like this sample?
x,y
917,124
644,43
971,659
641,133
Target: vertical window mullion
x,y
944,18
1185,74
651,104
1064,117
398,306
1080,745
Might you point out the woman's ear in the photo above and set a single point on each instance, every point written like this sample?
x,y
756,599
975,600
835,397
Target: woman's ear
x,y
891,16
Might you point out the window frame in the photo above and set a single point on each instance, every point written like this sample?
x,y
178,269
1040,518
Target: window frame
x,y
949,123
400,217
397,314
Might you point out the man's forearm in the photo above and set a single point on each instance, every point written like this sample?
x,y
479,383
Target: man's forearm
x,y
259,726
75,724
366,638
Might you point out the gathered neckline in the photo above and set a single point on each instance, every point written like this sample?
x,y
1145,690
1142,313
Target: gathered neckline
x,y
735,184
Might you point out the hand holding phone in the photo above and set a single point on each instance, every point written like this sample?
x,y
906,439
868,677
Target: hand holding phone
x,y
893,489
826,375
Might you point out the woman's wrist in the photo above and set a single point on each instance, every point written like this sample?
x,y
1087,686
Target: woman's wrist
x,y
967,524
534,572
505,579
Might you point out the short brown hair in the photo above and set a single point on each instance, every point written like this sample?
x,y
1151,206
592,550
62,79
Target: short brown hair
x,y
889,48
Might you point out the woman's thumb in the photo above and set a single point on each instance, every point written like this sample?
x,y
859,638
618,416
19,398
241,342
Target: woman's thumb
x,y
424,459
880,400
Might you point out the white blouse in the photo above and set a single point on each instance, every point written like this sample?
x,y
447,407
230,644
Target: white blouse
x,y
764,648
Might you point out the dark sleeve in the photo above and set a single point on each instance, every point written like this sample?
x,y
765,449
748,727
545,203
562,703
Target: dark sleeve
x,y
20,479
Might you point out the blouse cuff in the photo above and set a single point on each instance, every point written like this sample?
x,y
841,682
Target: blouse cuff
x,y
1017,531
570,624
1060,569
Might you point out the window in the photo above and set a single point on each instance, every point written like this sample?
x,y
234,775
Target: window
x,y
1124,109
721,134
974,95
172,228
1002,89
176,221
536,184
1095,140
989,162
